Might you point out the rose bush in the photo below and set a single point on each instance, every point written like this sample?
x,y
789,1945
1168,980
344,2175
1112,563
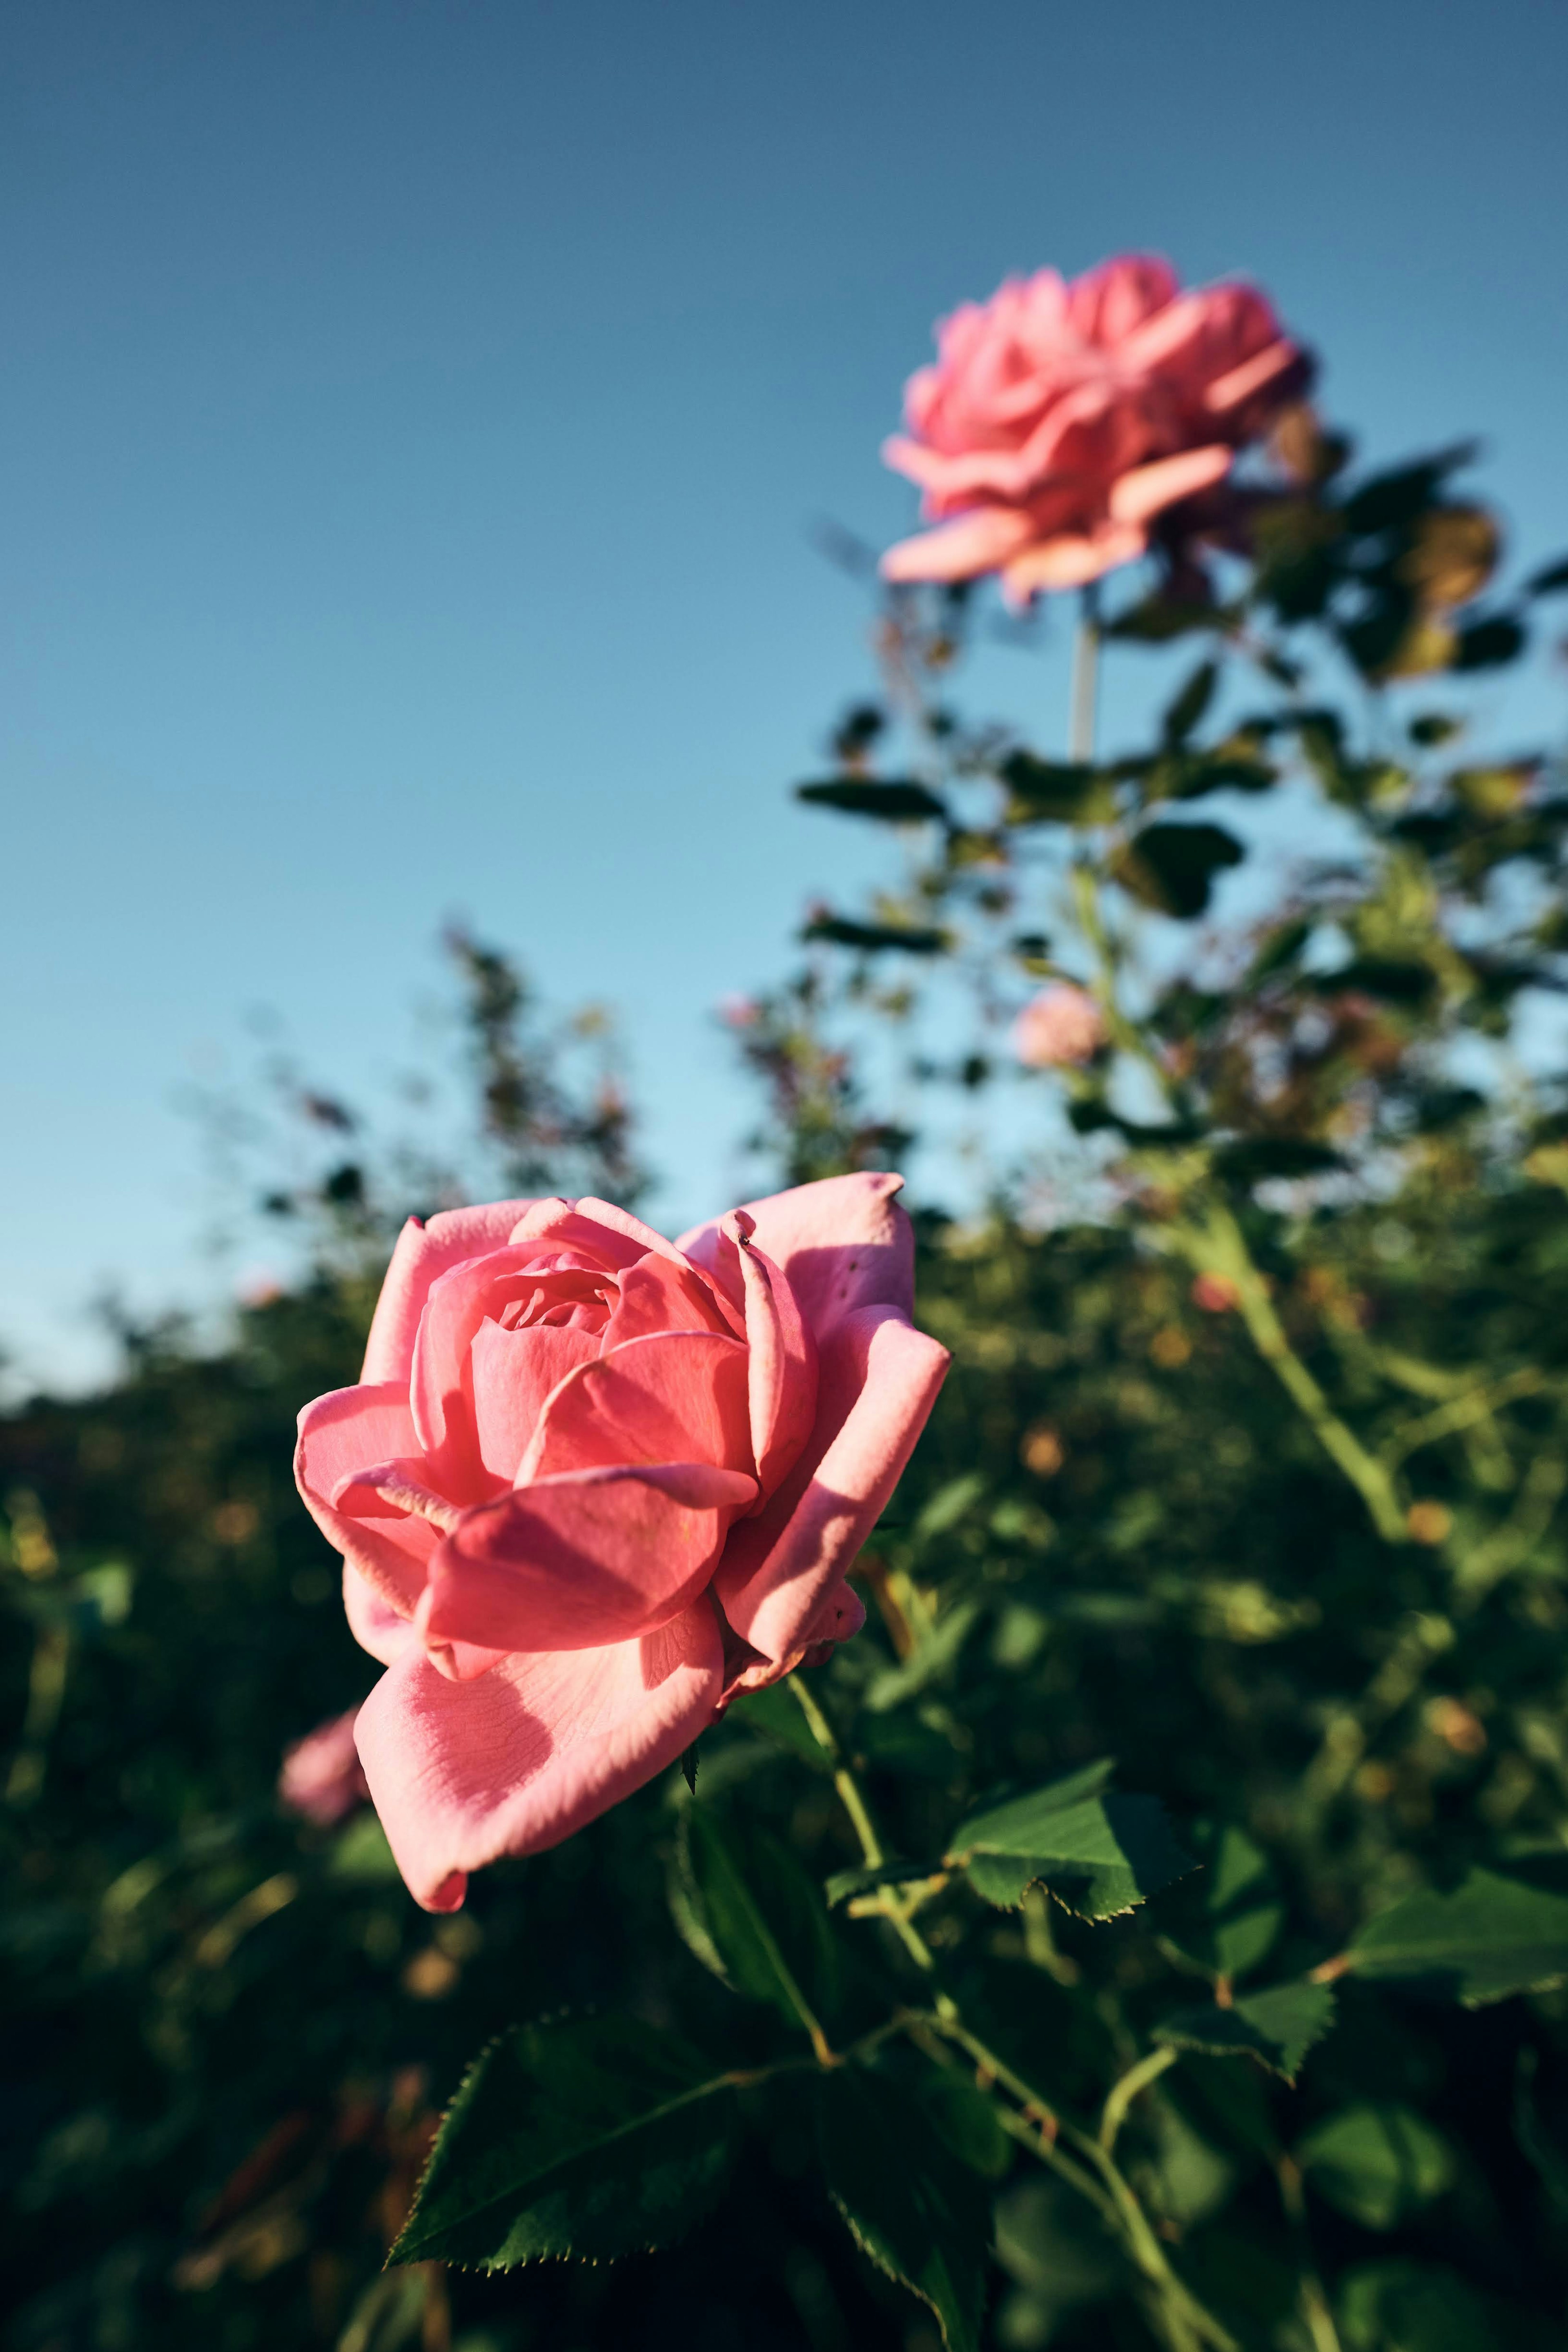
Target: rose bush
x,y
1061,418
592,1483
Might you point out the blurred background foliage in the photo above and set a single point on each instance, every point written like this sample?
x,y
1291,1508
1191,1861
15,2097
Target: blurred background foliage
x,y
1249,1473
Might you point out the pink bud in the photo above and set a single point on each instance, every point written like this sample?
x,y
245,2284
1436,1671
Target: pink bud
x,y
1062,1025
321,1776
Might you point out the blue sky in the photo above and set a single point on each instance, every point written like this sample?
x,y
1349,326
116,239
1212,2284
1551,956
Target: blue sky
x,y
411,418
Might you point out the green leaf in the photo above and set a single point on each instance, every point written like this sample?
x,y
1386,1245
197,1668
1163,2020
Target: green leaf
x,y
1277,2025
897,801
1099,1854
1171,867
1390,499
920,2214
1395,979
1492,1936
1377,2163
1409,2307
1187,707
1254,1158
1548,582
1056,790
1488,644
841,930
757,1914
966,2118
591,2136
1233,1923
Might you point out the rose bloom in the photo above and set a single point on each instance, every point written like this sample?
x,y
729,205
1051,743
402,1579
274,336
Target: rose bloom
x,y
1061,418
1062,1025
592,1483
323,1777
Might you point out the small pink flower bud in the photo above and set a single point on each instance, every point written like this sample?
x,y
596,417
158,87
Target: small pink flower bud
x,y
1062,1025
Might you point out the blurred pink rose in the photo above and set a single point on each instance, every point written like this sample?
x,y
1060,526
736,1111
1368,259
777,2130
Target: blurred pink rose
x,y
592,1484
1060,418
323,1777
1062,1025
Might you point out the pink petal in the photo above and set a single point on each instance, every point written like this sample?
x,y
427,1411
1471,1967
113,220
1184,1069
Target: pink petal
x,y
513,1372
441,1385
341,1434
422,1252
842,1244
1072,562
782,1372
675,1396
376,1627
321,1776
1147,489
962,550
878,1381
585,1558
663,1294
463,1772
1254,376
1106,305
616,1237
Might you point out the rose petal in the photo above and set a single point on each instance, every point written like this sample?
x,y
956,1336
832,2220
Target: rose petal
x,y
376,1627
1147,489
512,1373
675,1396
782,1370
584,1558
424,1252
441,1386
463,1772
1239,384
960,549
878,1380
842,1243
341,1434
1072,562
878,1386
665,1294
614,1235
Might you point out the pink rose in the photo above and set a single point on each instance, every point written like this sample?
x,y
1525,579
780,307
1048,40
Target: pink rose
x,y
321,1776
592,1484
1060,418
1060,1024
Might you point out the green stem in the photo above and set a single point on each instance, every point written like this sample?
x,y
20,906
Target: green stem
x,y
1185,2320
1221,1247
1122,2094
855,1805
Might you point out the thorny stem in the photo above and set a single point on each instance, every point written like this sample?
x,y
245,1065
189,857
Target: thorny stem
x,y
1185,2324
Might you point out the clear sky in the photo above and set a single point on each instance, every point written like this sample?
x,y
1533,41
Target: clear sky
x,y
411,418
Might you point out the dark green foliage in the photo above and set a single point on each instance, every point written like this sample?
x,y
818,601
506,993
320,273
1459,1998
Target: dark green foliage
x,y
592,2137
912,2205
899,802
1498,1932
1099,1854
1276,2026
